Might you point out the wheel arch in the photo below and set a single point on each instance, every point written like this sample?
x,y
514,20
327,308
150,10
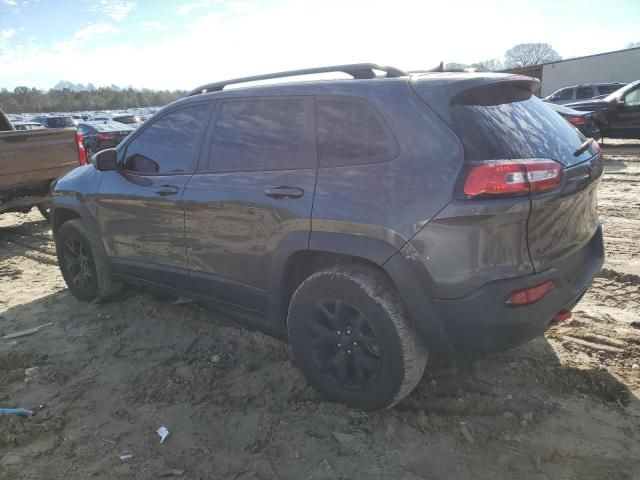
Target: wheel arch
x,y
64,209
294,265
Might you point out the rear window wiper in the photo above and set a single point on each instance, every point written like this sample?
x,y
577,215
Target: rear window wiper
x,y
583,148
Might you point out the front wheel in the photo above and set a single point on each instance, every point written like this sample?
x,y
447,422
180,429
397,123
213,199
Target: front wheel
x,y
351,335
43,208
84,268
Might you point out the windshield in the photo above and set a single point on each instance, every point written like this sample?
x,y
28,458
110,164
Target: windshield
x,y
622,91
60,122
111,127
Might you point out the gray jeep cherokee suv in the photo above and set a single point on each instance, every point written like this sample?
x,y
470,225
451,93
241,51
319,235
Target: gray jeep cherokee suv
x,y
370,220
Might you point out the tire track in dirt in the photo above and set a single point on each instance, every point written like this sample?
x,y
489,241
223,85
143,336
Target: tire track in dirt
x,y
16,244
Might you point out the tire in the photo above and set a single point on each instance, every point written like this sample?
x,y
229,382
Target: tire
x,y
43,208
84,268
352,337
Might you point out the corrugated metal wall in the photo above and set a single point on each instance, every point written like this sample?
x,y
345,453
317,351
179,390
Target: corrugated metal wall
x,y
622,66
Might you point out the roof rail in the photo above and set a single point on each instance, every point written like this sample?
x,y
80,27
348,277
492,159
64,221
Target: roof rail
x,y
356,70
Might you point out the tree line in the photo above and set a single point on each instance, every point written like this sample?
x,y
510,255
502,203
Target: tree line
x,y
66,99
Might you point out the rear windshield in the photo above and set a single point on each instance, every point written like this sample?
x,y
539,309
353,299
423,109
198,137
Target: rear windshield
x,y
126,119
527,128
607,89
111,127
60,122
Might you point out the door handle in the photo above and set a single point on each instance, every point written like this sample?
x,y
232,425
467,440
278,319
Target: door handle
x,y
280,193
166,190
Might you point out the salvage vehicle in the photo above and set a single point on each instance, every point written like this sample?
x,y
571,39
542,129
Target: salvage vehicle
x,y
125,118
372,221
100,135
586,122
30,161
56,121
582,92
618,114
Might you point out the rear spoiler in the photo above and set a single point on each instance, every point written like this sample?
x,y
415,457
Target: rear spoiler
x,y
440,90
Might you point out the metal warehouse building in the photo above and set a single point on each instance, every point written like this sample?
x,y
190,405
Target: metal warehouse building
x,y
618,66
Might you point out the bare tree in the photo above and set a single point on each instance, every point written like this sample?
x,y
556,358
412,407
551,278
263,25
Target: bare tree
x,y
526,54
490,65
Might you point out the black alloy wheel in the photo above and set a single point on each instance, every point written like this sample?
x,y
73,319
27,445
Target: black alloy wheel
x,y
78,264
343,344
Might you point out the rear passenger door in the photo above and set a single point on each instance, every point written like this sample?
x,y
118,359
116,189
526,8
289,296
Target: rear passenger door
x,y
251,197
584,93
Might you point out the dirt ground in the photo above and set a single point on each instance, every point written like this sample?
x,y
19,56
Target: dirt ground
x,y
106,377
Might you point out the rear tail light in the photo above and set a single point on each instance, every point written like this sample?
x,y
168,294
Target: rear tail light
x,y
530,295
82,153
577,121
105,136
596,146
513,177
562,316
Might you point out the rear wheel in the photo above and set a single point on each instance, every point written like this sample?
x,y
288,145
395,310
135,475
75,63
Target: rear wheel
x,y
351,335
84,268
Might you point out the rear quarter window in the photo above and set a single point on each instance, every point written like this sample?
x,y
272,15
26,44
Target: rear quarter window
x,y
352,132
607,89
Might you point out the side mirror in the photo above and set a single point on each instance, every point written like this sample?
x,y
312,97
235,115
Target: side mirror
x,y
619,101
105,160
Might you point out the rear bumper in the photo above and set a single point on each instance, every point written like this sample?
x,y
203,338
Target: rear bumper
x,y
482,323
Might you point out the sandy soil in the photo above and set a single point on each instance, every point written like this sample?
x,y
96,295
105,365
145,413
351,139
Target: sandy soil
x,y
108,376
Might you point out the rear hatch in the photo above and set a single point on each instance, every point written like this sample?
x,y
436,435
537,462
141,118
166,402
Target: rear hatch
x,y
498,119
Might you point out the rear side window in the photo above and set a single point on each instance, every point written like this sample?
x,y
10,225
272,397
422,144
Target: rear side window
x,y
255,135
584,92
167,145
525,128
351,132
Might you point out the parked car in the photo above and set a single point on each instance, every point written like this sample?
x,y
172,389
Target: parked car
x,y
27,126
64,121
586,122
100,135
127,119
618,114
372,222
582,92
30,161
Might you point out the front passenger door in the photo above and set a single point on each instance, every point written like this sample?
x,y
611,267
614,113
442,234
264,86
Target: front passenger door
x,y
140,210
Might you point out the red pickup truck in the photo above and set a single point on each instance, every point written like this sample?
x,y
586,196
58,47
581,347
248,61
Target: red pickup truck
x,y
30,161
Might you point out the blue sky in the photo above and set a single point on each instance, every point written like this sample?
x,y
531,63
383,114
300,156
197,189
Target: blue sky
x,y
181,44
